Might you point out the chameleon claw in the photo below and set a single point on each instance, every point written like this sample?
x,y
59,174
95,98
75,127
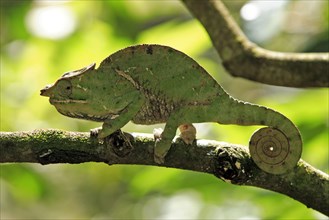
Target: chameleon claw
x,y
95,131
158,159
98,133
157,133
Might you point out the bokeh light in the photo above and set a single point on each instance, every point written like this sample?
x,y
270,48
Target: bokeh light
x,y
52,22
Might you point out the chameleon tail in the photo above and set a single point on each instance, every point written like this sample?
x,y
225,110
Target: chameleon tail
x,y
275,149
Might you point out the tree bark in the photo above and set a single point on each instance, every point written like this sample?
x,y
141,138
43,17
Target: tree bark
x,y
243,58
229,162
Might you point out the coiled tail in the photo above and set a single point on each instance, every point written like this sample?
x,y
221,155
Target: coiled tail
x,y
276,149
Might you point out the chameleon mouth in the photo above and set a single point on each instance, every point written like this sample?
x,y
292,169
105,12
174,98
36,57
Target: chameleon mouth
x,y
81,115
67,101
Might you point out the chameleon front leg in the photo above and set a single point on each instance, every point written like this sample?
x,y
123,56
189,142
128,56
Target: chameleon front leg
x,y
109,127
116,122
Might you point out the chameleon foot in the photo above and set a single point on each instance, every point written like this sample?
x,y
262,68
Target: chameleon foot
x,y
188,133
159,157
95,131
98,133
160,149
157,133
271,151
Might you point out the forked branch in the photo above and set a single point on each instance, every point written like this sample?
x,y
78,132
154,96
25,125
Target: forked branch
x,y
243,58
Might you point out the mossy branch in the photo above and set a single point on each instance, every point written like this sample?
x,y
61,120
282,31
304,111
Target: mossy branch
x,y
243,58
229,162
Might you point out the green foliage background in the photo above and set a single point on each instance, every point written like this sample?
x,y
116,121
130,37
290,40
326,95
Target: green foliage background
x,y
91,190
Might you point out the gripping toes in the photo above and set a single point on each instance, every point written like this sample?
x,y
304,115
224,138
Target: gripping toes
x,y
161,147
160,151
97,132
188,133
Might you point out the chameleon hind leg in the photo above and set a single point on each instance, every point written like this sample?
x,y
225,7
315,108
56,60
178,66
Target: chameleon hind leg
x,y
180,120
163,141
162,145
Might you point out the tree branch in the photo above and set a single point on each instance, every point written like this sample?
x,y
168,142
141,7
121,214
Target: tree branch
x,y
244,59
229,162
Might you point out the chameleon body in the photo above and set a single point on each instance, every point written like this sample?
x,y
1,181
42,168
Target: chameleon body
x,y
150,84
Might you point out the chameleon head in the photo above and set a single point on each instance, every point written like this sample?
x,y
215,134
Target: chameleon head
x,y
70,94
92,94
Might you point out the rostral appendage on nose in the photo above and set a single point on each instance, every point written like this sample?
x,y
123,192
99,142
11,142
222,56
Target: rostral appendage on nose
x,y
44,90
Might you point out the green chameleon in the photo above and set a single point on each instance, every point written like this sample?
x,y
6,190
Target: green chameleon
x,y
150,84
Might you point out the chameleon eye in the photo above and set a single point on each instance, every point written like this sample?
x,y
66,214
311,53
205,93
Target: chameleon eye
x,y
64,87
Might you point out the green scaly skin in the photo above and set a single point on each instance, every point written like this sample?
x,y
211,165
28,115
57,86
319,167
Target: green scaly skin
x,y
150,84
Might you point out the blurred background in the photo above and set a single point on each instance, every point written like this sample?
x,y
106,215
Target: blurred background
x,y
40,40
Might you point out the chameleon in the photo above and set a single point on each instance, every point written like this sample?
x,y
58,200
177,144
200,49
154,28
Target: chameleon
x,y
150,84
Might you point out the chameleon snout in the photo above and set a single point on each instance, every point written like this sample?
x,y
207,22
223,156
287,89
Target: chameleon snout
x,y
45,91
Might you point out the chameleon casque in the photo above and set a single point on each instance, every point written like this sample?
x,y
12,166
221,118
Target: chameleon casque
x,y
150,84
